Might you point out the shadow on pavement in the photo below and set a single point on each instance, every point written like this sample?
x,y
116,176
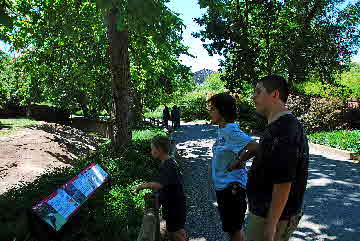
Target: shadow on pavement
x,y
332,200
203,222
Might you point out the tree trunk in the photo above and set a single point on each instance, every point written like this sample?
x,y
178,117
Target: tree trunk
x,y
119,68
138,108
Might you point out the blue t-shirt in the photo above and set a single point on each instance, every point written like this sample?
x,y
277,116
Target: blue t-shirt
x,y
229,143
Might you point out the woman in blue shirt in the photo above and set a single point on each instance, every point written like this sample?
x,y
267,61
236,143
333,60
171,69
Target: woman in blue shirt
x,y
229,179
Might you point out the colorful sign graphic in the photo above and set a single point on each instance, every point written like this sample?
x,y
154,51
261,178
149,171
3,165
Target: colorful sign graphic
x,y
57,208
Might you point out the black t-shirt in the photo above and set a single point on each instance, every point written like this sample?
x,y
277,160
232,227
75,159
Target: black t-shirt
x,y
283,157
171,178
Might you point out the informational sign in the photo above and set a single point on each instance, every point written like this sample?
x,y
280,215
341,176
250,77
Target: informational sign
x,y
57,208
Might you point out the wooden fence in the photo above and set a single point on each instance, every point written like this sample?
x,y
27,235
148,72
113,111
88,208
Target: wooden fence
x,y
150,228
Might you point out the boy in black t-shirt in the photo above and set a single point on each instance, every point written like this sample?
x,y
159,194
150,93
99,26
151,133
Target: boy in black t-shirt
x,y
169,184
278,175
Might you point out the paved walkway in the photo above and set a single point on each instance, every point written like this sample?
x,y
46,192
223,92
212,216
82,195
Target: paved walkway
x,y
332,198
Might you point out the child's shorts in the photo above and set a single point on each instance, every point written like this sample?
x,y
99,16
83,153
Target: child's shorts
x,y
175,217
232,207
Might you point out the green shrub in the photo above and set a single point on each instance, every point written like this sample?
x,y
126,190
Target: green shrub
x,y
325,90
317,113
14,86
213,83
157,114
193,106
123,204
344,139
351,80
298,104
324,115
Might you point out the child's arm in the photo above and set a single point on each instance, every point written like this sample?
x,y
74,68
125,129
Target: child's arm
x,y
248,153
150,185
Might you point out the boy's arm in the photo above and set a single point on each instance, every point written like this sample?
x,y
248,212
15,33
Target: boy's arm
x,y
150,185
249,152
280,195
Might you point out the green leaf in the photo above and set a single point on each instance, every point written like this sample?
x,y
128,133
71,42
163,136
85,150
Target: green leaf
x,y
5,19
204,3
121,23
104,4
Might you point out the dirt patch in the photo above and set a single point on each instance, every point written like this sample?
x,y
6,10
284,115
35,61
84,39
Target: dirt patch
x,y
30,152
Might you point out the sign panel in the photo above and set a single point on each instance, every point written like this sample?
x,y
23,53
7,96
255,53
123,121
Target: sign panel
x,y
57,208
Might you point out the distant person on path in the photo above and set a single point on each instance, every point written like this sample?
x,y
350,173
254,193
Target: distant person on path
x,y
175,117
166,116
178,120
229,184
279,172
169,184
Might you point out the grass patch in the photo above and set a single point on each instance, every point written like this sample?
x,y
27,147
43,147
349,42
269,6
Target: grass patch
x,y
114,214
79,113
9,126
344,140
156,115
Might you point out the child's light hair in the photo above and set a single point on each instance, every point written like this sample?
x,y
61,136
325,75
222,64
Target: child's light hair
x,y
161,142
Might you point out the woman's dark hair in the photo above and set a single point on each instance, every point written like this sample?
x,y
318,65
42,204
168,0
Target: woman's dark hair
x,y
161,142
275,82
226,105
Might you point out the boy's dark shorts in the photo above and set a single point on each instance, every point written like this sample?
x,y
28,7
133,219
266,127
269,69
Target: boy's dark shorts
x,y
175,217
232,208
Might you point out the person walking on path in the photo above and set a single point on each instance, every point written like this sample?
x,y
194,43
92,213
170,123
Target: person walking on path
x,y
229,184
175,117
166,117
279,172
178,116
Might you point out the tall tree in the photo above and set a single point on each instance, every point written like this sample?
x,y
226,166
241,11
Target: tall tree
x,y
62,48
291,38
126,18
73,57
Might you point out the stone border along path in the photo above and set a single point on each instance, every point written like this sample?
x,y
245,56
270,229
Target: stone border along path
x,y
332,201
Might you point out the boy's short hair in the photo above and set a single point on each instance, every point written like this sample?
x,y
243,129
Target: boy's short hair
x,y
226,105
276,82
161,142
